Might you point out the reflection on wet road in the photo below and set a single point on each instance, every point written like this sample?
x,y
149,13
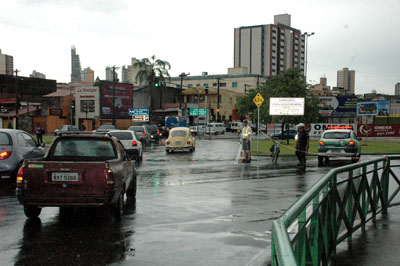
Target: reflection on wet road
x,y
192,209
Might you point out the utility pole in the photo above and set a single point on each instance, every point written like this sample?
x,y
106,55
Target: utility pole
x,y
218,120
306,35
182,75
16,98
113,101
258,80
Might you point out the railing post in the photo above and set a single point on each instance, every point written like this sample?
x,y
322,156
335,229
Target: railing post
x,y
301,241
273,250
364,205
315,233
373,191
385,186
332,213
350,204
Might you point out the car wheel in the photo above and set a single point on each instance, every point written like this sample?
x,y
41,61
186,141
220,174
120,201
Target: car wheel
x,y
32,211
131,192
118,207
320,161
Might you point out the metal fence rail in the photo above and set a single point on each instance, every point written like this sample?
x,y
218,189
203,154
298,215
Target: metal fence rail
x,y
337,205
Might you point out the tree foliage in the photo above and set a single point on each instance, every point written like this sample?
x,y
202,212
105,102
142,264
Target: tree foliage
x,y
152,69
289,83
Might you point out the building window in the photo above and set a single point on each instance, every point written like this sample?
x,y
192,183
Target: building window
x,y
273,44
274,51
205,85
178,86
190,85
273,38
222,84
197,85
234,84
87,106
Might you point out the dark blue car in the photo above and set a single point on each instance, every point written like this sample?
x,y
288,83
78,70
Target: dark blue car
x,y
292,134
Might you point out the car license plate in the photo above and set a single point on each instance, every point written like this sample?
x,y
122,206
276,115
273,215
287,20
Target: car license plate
x,y
62,177
177,143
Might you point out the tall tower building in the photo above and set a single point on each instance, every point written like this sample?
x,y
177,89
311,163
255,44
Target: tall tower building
x,y
346,80
269,49
397,89
6,64
75,66
109,74
124,74
88,75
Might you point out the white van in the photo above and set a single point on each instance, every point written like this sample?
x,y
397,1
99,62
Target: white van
x,y
215,128
235,125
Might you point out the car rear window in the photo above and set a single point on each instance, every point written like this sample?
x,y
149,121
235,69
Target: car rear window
x,y
90,149
140,129
107,127
5,139
336,135
179,133
122,135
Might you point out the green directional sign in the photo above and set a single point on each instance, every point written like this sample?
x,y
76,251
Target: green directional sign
x,y
196,112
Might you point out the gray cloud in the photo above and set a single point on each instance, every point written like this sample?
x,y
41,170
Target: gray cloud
x,y
104,6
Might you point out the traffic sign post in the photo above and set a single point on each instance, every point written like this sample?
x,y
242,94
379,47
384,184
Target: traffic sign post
x,y
258,100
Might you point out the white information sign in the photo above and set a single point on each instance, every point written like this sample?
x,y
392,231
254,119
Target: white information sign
x,y
286,106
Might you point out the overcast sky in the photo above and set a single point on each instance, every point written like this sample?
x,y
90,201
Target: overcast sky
x,y
197,36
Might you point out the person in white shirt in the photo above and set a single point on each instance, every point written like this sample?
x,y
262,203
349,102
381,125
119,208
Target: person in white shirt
x,y
246,142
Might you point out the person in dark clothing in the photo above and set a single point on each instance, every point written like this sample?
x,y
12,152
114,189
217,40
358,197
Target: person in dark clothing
x,y
302,143
39,134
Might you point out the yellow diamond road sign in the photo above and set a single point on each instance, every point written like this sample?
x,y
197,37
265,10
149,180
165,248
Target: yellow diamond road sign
x,y
258,99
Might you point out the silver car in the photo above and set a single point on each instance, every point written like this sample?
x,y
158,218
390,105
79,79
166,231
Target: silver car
x,y
15,147
142,134
128,139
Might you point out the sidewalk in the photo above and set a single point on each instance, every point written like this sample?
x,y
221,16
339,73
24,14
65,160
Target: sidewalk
x,y
378,245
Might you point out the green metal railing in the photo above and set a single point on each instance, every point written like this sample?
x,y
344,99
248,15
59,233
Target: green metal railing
x,y
337,205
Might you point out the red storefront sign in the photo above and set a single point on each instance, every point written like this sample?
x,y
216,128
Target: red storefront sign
x,y
378,130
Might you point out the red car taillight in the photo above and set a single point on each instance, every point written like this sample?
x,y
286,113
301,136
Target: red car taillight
x,y
351,143
321,143
144,134
20,177
110,180
134,143
158,131
5,154
188,142
168,142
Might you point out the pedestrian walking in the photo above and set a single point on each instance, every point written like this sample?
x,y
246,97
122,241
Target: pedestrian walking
x,y
246,142
39,134
302,145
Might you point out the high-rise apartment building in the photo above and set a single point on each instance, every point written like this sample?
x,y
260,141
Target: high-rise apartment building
x,y
109,74
76,70
88,75
269,49
6,64
346,80
129,73
36,74
124,74
397,89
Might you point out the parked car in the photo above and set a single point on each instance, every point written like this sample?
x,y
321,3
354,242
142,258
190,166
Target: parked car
x,y
292,134
180,139
338,143
215,128
16,146
235,125
104,128
141,133
78,171
132,146
65,129
193,130
154,132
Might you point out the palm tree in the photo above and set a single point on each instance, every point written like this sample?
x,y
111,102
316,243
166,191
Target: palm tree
x,y
150,70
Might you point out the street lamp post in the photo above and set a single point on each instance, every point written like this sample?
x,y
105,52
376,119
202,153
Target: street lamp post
x,y
306,35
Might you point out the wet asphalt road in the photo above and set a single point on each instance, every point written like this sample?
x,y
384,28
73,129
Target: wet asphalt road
x,y
192,209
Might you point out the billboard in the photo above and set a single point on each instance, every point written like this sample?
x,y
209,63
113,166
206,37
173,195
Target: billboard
x,y
344,106
367,108
378,130
123,99
384,108
286,106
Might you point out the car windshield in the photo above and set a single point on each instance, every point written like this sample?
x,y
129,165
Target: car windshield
x,y
5,139
122,135
179,133
92,149
336,135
